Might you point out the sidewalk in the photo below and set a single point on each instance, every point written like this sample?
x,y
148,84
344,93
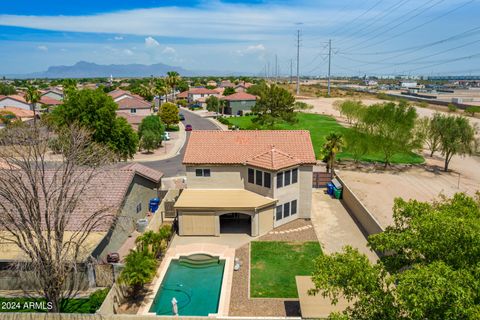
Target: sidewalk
x,y
168,150
335,227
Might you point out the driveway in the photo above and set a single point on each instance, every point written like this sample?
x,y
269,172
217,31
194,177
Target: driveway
x,y
173,167
335,227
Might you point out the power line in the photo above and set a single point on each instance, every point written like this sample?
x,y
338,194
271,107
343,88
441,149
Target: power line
x,y
298,62
358,17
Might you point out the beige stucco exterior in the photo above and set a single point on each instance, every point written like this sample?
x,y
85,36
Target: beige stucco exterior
x,y
235,177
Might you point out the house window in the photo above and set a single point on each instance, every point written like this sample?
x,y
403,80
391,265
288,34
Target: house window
x,y
287,177
294,175
267,179
251,175
286,209
294,207
258,177
133,110
279,213
279,179
202,172
139,207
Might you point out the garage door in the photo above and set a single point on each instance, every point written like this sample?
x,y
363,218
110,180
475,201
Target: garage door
x,y
197,224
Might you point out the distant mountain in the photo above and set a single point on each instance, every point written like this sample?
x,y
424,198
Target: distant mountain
x,y
84,69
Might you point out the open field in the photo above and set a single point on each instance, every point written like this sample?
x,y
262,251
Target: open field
x,y
275,264
377,189
320,126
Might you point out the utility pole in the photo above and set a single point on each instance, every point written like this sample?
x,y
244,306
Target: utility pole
x,y
298,62
276,68
268,70
329,63
291,71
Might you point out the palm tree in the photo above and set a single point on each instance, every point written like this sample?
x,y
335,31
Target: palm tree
x,y
160,90
333,145
173,78
33,97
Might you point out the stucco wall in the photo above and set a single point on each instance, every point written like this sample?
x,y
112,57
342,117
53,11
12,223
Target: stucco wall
x,y
305,182
14,103
221,177
141,111
140,191
265,220
368,222
54,95
236,106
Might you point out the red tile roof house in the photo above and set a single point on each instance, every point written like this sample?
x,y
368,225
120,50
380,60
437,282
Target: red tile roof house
x,y
196,93
131,103
124,190
239,103
14,101
245,181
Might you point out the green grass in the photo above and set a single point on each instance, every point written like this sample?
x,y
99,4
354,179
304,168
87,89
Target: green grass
x,y
320,126
80,305
274,266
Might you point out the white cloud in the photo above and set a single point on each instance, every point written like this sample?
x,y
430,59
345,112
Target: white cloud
x,y
128,52
151,42
252,49
42,48
169,50
118,38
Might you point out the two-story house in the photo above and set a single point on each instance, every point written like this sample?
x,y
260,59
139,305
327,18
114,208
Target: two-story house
x,y
245,181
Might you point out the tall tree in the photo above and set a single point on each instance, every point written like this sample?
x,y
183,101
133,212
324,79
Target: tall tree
x,y
40,203
96,111
169,114
457,136
160,90
429,269
275,104
228,91
429,131
350,109
213,104
173,79
333,145
391,129
32,96
155,129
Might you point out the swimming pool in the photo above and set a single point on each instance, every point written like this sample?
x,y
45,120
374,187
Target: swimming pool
x,y
195,282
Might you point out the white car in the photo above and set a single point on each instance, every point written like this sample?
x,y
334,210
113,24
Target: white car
x,y
166,136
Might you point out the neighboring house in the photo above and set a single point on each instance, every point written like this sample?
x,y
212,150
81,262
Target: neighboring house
x,y
238,103
14,101
219,91
133,120
53,94
211,83
196,93
245,181
130,103
242,86
19,114
183,95
226,84
134,106
47,103
125,191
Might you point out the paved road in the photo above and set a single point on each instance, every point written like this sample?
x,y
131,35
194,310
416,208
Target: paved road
x,y
173,167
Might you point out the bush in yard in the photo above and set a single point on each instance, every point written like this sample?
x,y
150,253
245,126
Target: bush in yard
x,y
149,141
472,110
140,267
182,103
96,299
452,108
169,114
150,132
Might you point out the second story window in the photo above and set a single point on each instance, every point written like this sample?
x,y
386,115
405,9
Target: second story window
x,y
251,175
287,177
260,178
202,172
133,110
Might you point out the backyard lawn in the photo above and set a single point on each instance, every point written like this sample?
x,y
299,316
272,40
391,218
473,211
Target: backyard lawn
x,y
274,266
320,126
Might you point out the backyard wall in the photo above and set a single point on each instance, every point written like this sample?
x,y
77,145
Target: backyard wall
x,y
368,222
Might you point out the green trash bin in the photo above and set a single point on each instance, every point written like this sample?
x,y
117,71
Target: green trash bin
x,y
337,193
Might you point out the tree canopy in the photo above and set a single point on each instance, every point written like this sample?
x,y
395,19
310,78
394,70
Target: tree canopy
x,y
275,104
213,104
169,114
96,111
228,91
150,132
430,267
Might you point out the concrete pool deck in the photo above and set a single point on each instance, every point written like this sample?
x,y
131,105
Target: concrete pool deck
x,y
223,252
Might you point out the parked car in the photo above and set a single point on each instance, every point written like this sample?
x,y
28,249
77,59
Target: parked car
x,y
188,127
181,116
166,136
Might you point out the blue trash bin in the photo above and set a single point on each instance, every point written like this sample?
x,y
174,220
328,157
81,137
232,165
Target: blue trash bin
x,y
330,188
154,204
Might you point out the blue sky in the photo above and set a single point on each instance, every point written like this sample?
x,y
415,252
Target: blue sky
x,y
369,36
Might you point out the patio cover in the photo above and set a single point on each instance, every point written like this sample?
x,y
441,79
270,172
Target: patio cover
x,y
314,307
234,199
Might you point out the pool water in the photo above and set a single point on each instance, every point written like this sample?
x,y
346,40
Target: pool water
x,y
195,283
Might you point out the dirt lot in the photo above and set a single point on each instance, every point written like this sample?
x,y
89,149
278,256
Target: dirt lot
x,y
377,188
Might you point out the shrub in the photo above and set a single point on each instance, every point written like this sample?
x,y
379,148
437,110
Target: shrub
x,y
140,266
472,110
96,299
452,108
223,120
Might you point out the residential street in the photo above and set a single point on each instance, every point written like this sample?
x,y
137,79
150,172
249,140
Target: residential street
x,y
173,167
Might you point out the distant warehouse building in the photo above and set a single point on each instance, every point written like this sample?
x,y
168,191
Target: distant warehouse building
x,y
239,103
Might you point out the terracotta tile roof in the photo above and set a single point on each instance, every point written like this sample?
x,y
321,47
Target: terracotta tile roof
x,y
19,112
129,103
273,159
15,97
131,118
240,147
219,90
240,96
183,95
144,171
117,93
201,91
50,101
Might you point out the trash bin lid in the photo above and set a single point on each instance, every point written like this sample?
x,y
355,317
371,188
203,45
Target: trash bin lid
x,y
337,184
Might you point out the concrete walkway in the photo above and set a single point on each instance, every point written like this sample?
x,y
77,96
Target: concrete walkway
x,y
335,227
